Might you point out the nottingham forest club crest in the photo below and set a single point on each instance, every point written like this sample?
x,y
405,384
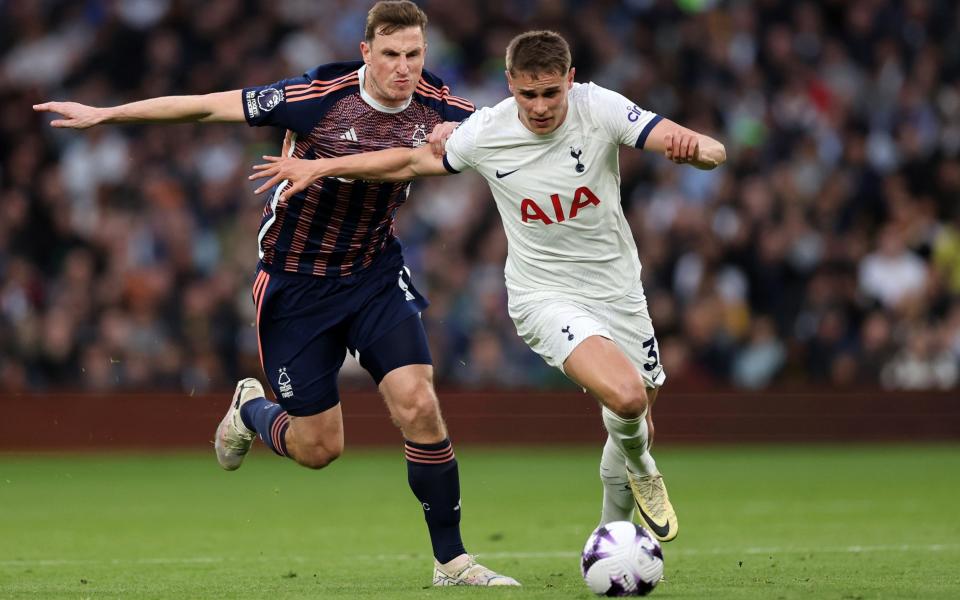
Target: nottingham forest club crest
x,y
284,383
419,136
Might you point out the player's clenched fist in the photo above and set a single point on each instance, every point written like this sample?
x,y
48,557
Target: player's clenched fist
x,y
76,115
438,137
682,147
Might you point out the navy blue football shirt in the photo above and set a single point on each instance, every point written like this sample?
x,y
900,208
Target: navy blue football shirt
x,y
337,227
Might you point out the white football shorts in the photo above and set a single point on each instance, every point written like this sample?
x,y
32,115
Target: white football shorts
x,y
554,324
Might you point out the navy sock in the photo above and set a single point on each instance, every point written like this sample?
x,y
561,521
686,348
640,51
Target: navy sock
x,y
269,420
435,481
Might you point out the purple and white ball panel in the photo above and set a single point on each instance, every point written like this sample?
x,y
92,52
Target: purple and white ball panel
x,y
621,559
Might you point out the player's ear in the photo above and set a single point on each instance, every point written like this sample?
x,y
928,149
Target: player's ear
x,y
570,75
365,51
509,81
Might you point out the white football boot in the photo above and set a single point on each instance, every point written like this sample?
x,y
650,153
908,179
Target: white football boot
x,y
233,439
464,570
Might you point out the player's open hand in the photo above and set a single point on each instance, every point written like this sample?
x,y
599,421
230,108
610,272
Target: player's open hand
x,y
682,147
438,137
75,115
298,172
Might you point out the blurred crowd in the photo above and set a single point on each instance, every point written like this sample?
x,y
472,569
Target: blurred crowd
x,y
826,252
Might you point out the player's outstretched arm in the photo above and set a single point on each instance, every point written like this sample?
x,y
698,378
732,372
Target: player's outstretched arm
x,y
685,146
217,107
395,164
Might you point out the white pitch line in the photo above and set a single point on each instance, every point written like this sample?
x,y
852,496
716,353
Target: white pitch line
x,y
732,552
706,551
62,562
850,549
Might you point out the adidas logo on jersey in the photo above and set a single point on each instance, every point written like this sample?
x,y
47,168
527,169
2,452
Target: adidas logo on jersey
x,y
350,135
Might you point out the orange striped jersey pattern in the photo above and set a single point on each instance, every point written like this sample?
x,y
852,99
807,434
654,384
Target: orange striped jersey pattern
x,y
338,227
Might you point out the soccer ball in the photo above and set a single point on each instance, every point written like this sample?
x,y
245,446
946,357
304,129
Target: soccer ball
x,y
621,559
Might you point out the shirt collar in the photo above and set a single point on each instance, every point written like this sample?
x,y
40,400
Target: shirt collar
x,y
361,73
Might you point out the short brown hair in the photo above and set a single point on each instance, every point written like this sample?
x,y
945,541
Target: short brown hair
x,y
537,52
388,16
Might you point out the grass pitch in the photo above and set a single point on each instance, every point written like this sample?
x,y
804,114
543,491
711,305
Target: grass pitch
x,y
756,522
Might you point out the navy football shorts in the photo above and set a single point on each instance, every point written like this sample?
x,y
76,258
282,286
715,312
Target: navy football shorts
x,y
306,325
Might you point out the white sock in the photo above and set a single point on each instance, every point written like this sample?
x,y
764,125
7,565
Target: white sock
x,y
631,437
617,497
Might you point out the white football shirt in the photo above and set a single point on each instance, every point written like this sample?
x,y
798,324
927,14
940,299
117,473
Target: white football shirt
x,y
559,194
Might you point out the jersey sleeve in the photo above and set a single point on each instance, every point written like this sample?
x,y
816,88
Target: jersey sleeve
x,y
297,103
456,108
267,105
461,148
436,94
621,119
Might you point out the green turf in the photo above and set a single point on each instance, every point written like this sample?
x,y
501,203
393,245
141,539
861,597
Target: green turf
x,y
758,522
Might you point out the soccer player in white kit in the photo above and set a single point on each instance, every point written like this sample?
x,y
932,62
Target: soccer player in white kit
x,y
550,156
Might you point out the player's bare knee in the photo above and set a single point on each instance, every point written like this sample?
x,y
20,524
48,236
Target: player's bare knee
x,y
421,412
628,401
418,405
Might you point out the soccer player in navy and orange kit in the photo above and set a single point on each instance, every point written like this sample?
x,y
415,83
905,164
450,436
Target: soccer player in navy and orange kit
x,y
331,276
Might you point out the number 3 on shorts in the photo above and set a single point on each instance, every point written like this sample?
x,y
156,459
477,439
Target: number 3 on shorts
x,y
651,354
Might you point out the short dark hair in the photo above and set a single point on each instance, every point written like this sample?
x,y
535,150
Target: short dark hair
x,y
388,16
538,52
